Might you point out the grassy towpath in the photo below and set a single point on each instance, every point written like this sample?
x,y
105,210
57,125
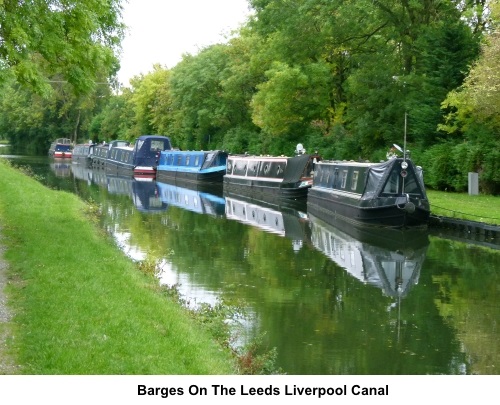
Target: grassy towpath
x,y
480,208
77,305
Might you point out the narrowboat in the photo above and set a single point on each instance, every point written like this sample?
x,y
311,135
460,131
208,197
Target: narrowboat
x,y
191,199
192,166
389,259
387,194
269,178
141,159
61,148
83,153
101,152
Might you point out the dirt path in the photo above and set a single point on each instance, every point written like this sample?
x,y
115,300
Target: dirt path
x,y
7,365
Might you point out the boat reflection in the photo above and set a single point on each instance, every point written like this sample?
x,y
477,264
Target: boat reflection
x,y
192,199
61,167
389,259
280,220
143,192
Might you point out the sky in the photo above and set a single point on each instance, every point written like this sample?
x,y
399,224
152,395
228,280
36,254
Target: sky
x,y
161,31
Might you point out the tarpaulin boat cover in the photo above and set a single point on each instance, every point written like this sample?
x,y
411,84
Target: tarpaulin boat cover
x,y
295,167
379,173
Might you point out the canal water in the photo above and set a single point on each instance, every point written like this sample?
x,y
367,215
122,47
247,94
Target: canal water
x,y
327,298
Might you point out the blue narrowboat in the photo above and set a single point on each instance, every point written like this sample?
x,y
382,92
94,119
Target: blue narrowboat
x,y
192,166
141,160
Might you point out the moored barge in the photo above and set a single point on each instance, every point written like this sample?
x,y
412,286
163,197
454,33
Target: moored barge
x,y
176,166
269,177
83,153
61,148
388,194
139,160
102,152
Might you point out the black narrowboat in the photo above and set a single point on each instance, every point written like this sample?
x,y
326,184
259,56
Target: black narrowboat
x,y
139,160
269,178
388,194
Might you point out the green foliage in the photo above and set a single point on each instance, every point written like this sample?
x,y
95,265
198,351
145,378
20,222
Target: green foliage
x,y
77,40
447,166
343,89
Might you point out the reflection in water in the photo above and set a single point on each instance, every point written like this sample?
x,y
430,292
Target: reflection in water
x,y
191,199
388,259
143,192
311,307
286,222
61,167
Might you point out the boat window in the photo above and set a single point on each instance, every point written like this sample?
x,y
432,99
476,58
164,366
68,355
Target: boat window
x,y
344,178
411,184
252,168
170,159
188,158
157,144
354,180
239,168
392,184
197,161
208,160
179,160
139,144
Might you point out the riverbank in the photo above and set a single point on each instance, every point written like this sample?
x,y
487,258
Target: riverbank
x,y
75,304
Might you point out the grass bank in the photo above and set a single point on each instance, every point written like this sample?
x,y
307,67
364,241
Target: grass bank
x,y
480,208
79,305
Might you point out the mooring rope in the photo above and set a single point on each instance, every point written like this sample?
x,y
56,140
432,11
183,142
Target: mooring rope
x,y
463,213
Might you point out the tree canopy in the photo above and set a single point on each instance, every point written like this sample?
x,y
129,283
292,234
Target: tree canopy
x,y
337,76
46,41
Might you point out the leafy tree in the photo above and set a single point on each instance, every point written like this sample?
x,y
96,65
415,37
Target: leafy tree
x,y
200,115
150,101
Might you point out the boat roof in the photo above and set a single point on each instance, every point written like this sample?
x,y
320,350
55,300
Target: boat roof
x,y
259,157
143,137
354,163
64,141
188,152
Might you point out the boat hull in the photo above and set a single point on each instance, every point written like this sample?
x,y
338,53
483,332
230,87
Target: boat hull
x,y
191,177
327,205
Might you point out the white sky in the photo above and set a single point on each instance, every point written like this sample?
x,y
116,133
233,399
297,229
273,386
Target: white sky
x,y
161,31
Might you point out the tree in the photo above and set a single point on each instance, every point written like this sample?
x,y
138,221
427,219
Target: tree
x,y
76,39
